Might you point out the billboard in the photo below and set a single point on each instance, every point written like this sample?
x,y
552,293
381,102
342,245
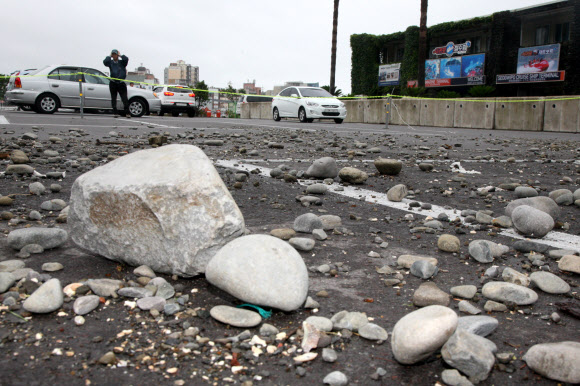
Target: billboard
x,y
473,65
389,74
450,68
455,71
432,69
538,59
535,65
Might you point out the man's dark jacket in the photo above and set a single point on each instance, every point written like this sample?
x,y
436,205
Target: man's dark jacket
x,y
119,68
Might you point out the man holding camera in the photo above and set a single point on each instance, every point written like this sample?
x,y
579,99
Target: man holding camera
x,y
117,64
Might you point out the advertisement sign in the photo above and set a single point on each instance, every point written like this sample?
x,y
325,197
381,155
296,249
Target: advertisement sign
x,y
456,71
538,59
450,68
451,48
469,81
536,65
389,74
432,69
473,65
555,76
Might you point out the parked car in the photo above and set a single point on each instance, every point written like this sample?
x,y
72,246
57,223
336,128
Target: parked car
x,y
22,73
175,100
307,104
251,99
53,87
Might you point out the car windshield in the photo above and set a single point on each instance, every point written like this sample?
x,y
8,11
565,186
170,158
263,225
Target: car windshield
x,y
315,92
177,89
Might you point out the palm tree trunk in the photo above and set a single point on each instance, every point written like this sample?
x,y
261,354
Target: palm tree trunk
x,y
422,43
333,50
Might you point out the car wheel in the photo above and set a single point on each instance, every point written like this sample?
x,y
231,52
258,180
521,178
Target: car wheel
x,y
338,120
276,114
137,107
175,113
46,104
191,113
27,107
302,115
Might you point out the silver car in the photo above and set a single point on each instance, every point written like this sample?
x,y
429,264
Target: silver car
x,y
48,89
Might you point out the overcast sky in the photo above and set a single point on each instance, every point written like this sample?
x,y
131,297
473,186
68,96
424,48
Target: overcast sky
x,y
271,41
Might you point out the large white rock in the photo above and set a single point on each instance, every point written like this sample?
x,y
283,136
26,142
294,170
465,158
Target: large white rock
x,y
419,334
262,270
166,208
557,361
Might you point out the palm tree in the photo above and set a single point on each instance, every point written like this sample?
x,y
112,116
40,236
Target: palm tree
x,y
422,43
333,50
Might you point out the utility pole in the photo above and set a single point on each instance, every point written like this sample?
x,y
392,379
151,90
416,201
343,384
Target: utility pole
x,y
333,50
422,43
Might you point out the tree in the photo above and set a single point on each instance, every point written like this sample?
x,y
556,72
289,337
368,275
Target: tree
x,y
201,96
333,49
3,83
230,93
337,92
422,43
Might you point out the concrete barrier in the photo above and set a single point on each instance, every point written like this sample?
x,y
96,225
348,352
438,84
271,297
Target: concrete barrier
x,y
355,112
562,116
527,116
476,115
405,111
255,111
245,114
437,113
375,110
265,110
500,114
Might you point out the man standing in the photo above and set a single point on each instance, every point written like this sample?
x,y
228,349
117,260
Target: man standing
x,y
118,66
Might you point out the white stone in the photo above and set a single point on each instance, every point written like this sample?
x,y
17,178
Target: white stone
x,y
419,334
262,270
166,208
558,361
503,292
47,298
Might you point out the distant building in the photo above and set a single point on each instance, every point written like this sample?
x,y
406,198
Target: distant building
x,y
521,52
251,88
181,73
142,75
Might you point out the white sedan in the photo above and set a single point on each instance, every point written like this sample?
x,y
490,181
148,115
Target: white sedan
x,y
48,89
307,104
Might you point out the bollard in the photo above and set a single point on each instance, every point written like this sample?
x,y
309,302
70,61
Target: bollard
x,y
388,115
82,101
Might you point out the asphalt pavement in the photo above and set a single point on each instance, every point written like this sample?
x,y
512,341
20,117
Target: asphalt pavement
x,y
99,124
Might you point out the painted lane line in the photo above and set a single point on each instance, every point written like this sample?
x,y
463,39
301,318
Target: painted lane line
x,y
157,124
353,192
554,239
3,120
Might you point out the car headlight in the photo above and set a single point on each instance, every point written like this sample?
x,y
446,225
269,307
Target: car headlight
x,y
342,105
310,103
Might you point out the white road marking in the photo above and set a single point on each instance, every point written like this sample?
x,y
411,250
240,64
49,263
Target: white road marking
x,y
554,239
3,120
156,124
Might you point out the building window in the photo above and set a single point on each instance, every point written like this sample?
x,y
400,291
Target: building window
x,y
542,35
400,54
562,32
476,45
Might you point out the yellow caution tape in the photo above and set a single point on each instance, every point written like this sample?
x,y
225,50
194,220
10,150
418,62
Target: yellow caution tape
x,y
341,98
